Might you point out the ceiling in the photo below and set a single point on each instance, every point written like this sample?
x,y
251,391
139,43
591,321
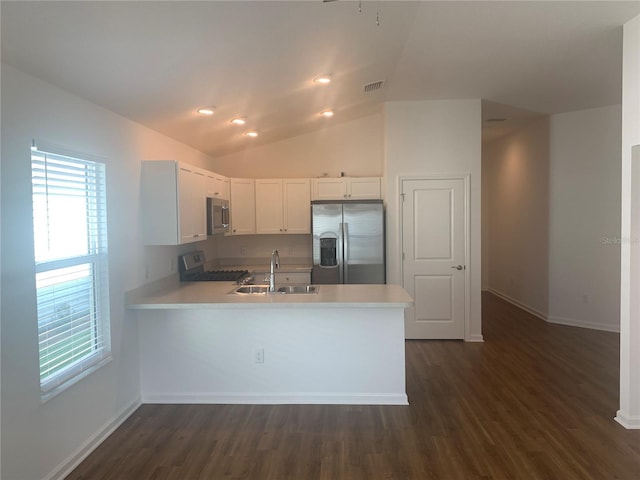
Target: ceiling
x,y
157,62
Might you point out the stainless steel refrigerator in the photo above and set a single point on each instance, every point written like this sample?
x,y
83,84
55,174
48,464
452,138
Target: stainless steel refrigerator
x,y
348,242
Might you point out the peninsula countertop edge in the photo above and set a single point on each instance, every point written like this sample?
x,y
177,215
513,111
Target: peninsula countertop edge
x,y
218,295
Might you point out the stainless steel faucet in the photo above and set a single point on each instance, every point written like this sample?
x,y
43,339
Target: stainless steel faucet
x,y
275,264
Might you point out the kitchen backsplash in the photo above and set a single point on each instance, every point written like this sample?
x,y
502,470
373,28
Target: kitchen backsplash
x,y
255,249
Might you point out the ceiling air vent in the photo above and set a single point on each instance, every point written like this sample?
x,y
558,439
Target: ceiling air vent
x,y
373,86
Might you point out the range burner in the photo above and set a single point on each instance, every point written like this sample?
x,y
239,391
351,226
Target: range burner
x,y
219,276
191,266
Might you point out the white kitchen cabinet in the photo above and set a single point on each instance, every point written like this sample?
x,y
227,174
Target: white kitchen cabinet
x,y
284,278
242,206
287,278
269,202
283,206
173,203
297,205
217,186
347,188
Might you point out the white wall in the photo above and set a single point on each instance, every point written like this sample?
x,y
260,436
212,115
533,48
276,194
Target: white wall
x,y
516,169
354,148
486,186
38,439
584,247
435,137
629,413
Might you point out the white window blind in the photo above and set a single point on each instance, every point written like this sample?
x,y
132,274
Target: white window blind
x,y
70,239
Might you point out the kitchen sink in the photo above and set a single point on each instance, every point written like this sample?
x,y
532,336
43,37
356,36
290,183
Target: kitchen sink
x,y
252,290
299,289
287,290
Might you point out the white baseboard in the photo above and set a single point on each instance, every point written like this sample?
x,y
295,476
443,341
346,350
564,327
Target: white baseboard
x,y
519,304
280,398
582,324
627,421
67,466
571,322
475,338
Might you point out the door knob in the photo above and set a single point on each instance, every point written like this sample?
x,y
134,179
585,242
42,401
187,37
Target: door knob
x,y
458,267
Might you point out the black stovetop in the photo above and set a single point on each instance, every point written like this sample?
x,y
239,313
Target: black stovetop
x,y
191,267
215,276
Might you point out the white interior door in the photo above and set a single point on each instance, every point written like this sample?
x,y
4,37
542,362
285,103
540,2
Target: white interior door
x,y
434,236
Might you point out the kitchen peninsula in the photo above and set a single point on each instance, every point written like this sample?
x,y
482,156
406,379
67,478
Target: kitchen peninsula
x,y
200,343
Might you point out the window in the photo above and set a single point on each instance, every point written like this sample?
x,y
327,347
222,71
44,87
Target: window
x,y
70,240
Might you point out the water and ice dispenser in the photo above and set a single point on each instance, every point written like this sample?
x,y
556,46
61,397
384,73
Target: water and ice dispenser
x,y
328,252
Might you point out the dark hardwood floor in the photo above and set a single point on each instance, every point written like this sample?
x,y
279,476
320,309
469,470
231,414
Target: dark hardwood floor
x,y
535,401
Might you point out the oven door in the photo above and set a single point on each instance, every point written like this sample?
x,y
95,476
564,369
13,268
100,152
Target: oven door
x,y
217,216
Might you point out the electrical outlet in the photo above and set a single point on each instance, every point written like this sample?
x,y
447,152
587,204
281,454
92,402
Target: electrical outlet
x,y
243,251
258,355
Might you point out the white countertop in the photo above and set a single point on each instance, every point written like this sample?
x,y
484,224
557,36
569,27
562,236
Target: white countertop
x,y
216,295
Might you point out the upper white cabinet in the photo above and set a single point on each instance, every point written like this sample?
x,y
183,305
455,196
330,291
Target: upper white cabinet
x,y
269,211
242,206
346,188
217,186
173,203
283,206
297,205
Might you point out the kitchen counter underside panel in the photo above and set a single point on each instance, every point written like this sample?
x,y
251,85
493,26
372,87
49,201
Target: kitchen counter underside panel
x,y
345,356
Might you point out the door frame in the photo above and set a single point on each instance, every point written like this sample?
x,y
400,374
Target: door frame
x,y
466,177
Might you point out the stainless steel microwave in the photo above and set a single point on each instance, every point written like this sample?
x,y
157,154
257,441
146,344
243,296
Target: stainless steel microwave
x,y
217,216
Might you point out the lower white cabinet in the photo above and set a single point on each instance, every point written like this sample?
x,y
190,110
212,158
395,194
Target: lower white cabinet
x,y
173,203
287,278
284,278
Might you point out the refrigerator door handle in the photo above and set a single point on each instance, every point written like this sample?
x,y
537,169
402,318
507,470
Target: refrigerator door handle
x,y
345,260
341,252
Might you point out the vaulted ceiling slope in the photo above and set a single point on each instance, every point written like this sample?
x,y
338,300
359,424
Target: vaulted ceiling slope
x,y
156,62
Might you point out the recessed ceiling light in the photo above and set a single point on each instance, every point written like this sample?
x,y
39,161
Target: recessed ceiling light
x,y
327,113
206,110
323,79
239,120
251,133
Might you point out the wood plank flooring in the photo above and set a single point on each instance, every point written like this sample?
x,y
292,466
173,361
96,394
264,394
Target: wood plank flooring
x,y
535,401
